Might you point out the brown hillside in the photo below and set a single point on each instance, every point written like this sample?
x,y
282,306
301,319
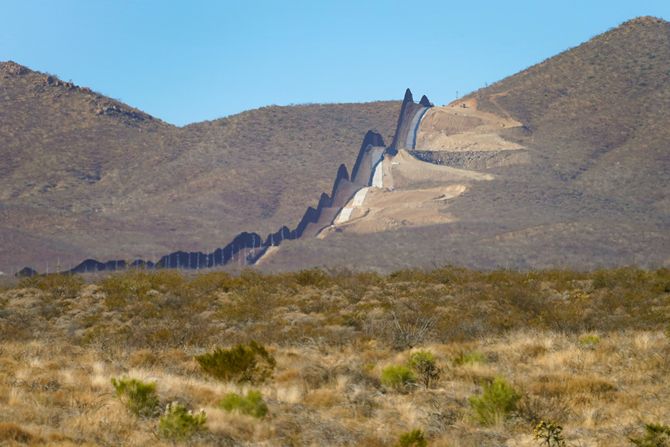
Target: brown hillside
x,y
605,104
591,188
83,175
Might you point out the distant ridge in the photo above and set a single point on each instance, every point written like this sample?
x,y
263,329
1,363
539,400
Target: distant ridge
x,y
75,165
593,189
589,188
246,248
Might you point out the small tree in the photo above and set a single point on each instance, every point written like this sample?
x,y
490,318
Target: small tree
x,y
424,365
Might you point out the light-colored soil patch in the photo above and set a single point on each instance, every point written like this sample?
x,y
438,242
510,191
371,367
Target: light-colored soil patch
x,y
461,127
385,210
268,254
415,194
355,202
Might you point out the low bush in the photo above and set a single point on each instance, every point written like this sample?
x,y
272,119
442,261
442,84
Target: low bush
x,y
466,358
210,282
59,286
497,401
589,340
655,435
252,404
414,438
549,433
132,286
139,397
241,363
11,433
424,365
398,377
178,423
312,277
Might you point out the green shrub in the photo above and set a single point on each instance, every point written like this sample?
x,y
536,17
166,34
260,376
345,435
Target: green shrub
x,y
398,377
424,365
139,397
465,358
241,363
414,438
178,423
655,435
589,340
498,399
251,405
549,434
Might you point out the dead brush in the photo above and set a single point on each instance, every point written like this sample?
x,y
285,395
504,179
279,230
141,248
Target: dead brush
x,y
12,433
410,332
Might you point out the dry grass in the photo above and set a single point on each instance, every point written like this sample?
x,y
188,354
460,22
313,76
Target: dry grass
x,y
332,335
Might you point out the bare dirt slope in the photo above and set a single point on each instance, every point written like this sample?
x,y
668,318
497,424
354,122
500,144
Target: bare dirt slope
x,y
462,127
413,194
82,175
578,150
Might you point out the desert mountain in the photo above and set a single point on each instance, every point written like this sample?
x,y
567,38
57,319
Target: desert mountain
x,y
83,175
566,164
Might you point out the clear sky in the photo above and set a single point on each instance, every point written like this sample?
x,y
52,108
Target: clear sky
x,y
187,61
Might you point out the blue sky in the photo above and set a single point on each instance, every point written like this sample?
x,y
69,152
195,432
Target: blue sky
x,y
194,60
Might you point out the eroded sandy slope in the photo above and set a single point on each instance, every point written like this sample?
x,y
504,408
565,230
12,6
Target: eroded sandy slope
x,y
461,127
418,193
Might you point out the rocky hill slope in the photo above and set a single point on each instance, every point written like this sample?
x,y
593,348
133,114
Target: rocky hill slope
x,y
579,168
83,175
565,164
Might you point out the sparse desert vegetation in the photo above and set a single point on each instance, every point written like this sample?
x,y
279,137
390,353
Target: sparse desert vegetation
x,y
449,357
